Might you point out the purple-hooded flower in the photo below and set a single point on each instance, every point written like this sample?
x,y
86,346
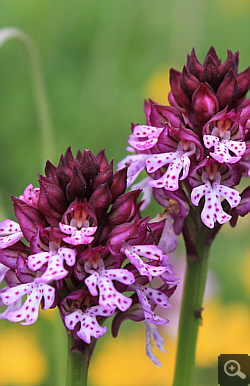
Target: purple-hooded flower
x,y
79,226
29,310
206,124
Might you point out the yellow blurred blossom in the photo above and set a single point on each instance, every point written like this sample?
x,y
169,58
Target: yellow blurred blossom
x,y
128,351
235,9
22,363
158,87
225,330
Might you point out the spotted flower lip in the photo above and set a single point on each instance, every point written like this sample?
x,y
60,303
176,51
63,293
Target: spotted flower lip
x,y
178,160
89,325
212,210
29,310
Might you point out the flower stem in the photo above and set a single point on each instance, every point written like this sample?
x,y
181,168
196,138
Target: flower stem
x,y
190,317
40,96
77,364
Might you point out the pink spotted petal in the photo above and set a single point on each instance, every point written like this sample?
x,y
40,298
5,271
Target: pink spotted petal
x,y
91,283
99,310
68,229
55,270
110,297
7,241
150,251
156,161
142,131
37,260
144,268
28,311
30,196
151,331
89,325
160,182
78,238
11,295
48,294
121,275
231,195
149,315
185,165
142,145
68,254
135,164
237,148
210,140
89,231
221,154
9,227
197,193
13,230
156,296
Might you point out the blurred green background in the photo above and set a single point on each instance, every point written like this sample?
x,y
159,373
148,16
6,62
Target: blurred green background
x,y
100,59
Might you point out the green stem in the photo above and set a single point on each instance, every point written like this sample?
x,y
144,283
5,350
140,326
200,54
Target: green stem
x,y
77,364
40,97
190,317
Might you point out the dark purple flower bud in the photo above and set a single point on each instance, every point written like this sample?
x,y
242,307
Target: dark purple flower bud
x,y
101,199
63,173
119,183
171,114
27,217
228,90
124,208
178,94
102,159
50,172
89,165
205,102
244,82
69,160
120,234
189,83
51,201
228,64
106,176
211,73
194,65
76,188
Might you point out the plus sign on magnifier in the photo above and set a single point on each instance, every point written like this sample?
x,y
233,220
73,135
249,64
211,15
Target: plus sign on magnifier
x,y
234,368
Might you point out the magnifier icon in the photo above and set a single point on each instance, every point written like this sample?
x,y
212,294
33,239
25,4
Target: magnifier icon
x,y
234,368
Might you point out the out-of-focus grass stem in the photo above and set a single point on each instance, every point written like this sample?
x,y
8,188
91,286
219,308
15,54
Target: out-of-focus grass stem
x,y
40,97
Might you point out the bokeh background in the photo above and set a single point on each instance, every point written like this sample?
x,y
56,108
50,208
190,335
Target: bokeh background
x,y
100,59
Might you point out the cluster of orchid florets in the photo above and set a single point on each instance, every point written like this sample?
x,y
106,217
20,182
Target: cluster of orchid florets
x,y
197,147
80,244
